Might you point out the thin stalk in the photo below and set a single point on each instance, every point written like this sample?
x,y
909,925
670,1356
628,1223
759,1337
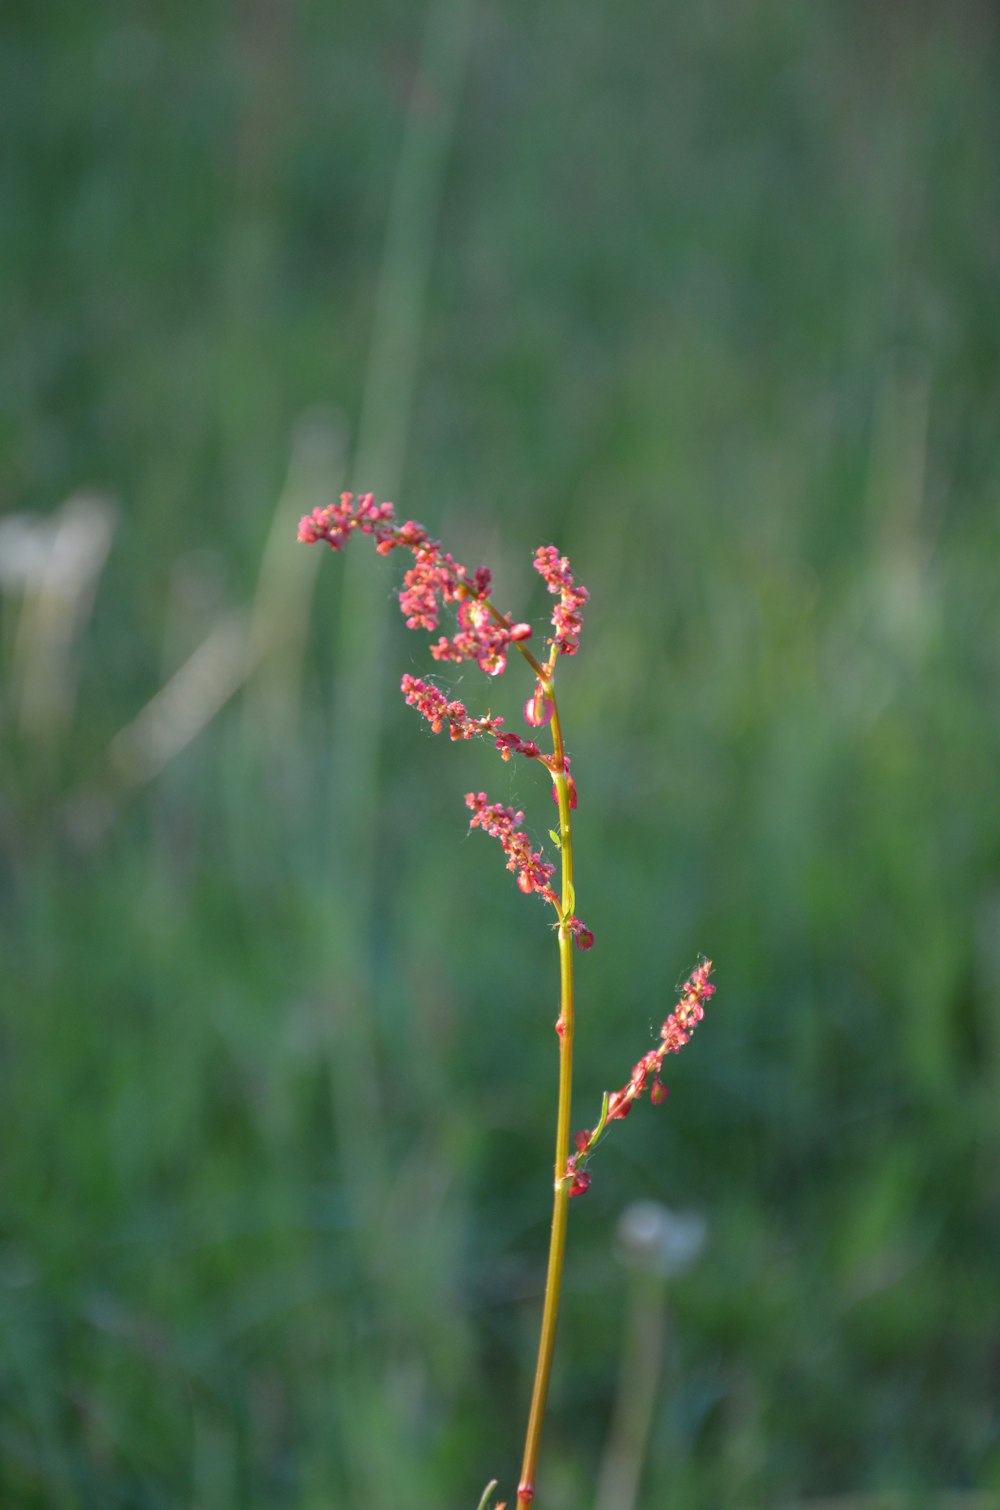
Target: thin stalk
x,y
560,1207
635,1404
566,1023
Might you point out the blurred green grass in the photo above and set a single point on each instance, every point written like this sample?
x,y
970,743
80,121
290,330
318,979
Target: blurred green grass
x,y
713,305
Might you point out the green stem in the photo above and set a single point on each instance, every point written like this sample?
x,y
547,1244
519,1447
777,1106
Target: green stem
x,y
560,1208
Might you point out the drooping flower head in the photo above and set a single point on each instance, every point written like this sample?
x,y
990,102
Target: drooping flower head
x,y
482,635
435,577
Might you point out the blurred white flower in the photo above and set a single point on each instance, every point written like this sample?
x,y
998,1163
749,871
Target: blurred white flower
x,y
658,1240
53,565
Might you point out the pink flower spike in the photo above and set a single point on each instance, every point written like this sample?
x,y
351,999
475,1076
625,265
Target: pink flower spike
x,y
674,1034
335,523
567,619
503,823
432,703
435,578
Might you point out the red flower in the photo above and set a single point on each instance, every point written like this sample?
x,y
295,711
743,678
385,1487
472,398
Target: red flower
x,y
503,823
675,1032
567,619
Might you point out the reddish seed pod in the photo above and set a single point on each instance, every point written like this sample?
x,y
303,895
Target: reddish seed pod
x,y
538,708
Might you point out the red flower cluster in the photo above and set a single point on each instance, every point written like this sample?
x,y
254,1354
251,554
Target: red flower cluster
x,y
689,1010
567,619
483,635
503,823
533,873
337,521
674,1034
438,711
435,577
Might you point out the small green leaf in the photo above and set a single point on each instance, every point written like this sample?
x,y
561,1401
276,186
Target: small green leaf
x,y
601,1124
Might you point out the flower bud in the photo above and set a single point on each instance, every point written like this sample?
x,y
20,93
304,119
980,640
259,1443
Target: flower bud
x,y
538,708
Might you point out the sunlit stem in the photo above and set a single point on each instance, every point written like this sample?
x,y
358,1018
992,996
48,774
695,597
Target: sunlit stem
x,y
557,1240
562,1181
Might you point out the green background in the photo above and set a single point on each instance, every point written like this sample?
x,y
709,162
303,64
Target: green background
x,y
707,295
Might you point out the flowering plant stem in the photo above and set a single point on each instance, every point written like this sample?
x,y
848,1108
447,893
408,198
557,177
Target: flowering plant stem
x,y
564,1027
484,636
560,1204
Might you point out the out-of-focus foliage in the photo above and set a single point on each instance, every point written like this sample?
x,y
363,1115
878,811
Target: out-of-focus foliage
x,y
712,304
